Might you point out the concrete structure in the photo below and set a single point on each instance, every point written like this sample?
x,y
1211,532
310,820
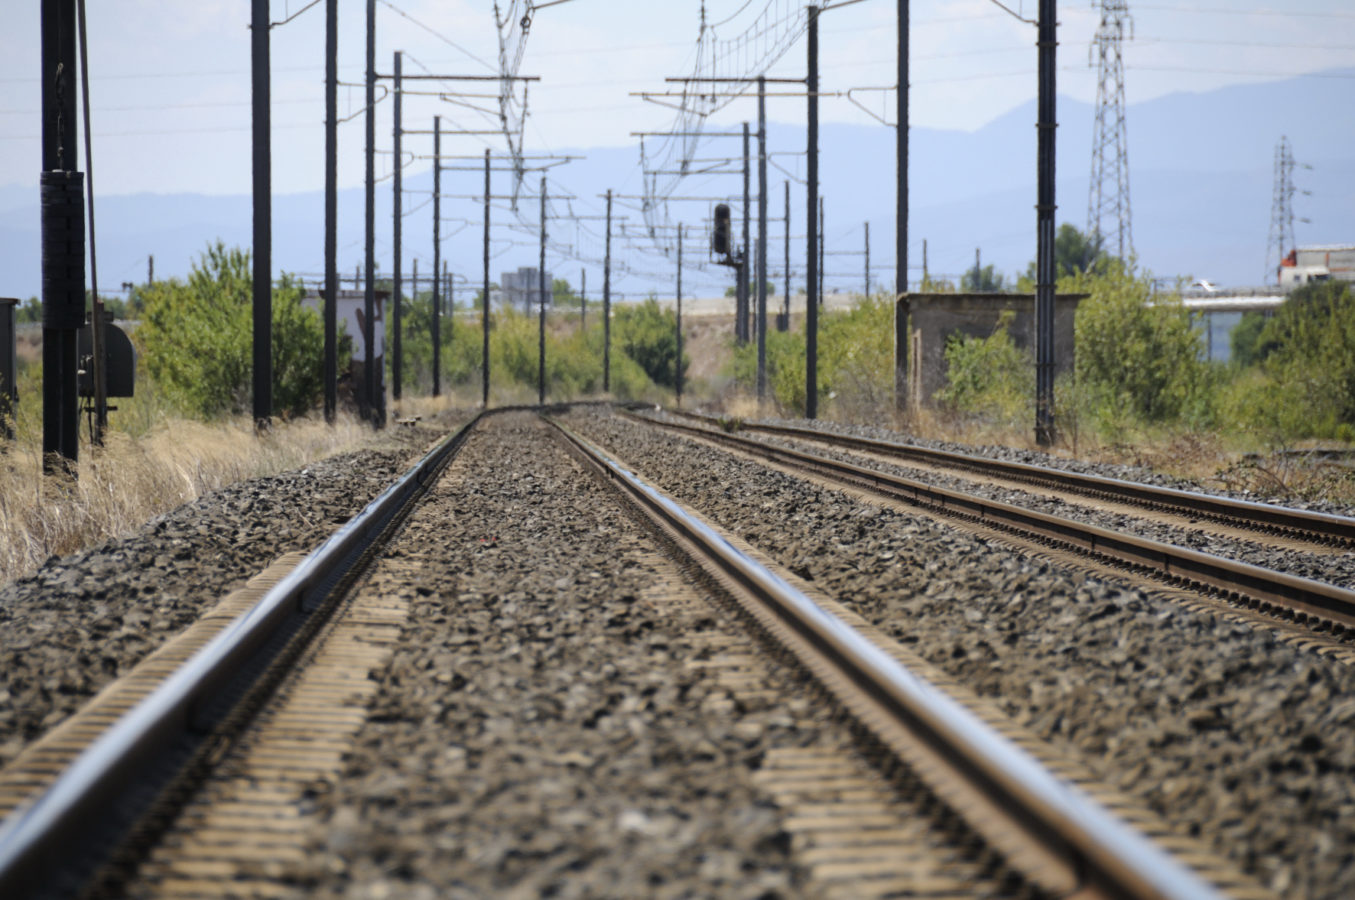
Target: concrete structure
x,y
349,312
1330,262
935,317
522,289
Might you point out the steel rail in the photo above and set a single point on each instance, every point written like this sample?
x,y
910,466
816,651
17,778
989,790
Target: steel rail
x,y
1104,855
37,840
1316,526
1265,587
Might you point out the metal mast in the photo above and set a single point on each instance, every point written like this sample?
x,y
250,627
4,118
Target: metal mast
x,y
1281,239
1108,214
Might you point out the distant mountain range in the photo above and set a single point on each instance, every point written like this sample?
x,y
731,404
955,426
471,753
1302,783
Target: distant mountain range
x,y
1201,184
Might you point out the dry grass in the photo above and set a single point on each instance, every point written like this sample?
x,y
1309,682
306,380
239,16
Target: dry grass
x,y
133,479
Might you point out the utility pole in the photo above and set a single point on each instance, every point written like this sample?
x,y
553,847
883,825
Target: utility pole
x,y
541,322
397,359
785,301
484,300
1045,274
331,362
812,224
607,304
98,324
901,303
867,260
583,300
761,239
1109,194
371,377
677,365
263,217
437,255
150,269
743,331
63,240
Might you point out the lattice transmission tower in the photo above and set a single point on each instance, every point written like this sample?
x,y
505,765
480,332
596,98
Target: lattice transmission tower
x,y
1281,211
1108,215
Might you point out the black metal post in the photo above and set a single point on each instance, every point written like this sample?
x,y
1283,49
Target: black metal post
x,y
437,255
743,270
97,322
541,320
331,363
583,301
263,217
761,238
677,364
397,361
1044,219
9,392
785,301
607,304
376,397
901,305
812,225
450,280
867,260
484,300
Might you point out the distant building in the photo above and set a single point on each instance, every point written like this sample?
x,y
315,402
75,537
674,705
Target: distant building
x,y
1333,262
522,289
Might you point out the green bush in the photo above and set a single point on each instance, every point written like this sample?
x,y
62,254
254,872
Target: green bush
x,y
647,334
856,361
196,339
1138,354
990,377
1309,367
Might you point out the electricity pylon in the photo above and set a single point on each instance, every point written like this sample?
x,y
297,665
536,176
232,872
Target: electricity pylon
x,y
1108,215
1281,238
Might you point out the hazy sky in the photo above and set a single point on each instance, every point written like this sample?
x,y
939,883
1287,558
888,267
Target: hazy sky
x,y
171,83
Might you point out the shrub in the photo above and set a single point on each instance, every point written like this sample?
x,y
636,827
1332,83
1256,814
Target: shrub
x,y
1138,355
1312,359
648,334
196,339
990,377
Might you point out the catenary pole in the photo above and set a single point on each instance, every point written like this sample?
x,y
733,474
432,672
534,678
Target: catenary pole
x,y
397,348
331,361
435,321
541,299
812,224
677,364
901,304
371,377
785,300
63,249
263,217
607,304
745,303
583,300
484,301
761,238
1044,219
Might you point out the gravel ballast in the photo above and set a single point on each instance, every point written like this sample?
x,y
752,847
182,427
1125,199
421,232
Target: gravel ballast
x,y
81,620
1224,730
537,731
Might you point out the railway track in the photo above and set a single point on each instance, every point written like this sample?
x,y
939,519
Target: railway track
x,y
89,783
1262,518
1314,604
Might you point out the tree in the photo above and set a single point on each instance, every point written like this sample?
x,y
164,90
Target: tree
x,y
562,294
1313,355
648,334
197,338
1074,253
1138,355
985,280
